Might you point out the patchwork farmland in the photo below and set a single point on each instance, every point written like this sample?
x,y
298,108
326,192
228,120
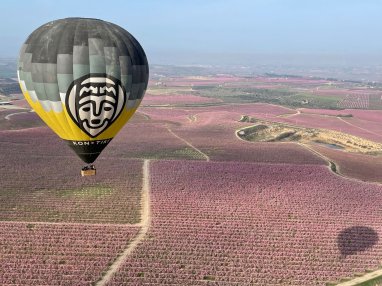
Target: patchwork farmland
x,y
180,199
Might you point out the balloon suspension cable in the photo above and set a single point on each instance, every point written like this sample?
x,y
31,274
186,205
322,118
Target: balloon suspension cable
x,y
88,170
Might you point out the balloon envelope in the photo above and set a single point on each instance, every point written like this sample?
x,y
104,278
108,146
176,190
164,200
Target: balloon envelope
x,y
85,78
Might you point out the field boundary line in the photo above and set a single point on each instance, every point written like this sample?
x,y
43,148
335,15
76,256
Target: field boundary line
x,y
7,117
365,278
145,115
336,166
192,117
351,124
145,221
273,105
336,169
287,115
189,144
331,164
73,223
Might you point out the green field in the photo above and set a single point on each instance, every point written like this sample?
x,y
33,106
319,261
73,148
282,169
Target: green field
x,y
283,96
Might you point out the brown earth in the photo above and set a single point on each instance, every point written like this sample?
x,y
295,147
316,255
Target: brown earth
x,y
266,131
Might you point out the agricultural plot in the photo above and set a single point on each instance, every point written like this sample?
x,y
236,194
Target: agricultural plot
x,y
16,118
259,109
266,131
57,228
369,115
176,100
58,254
255,214
40,182
283,90
332,90
254,224
166,115
372,127
49,189
213,132
375,101
361,167
150,140
21,102
32,142
20,120
355,101
295,92
364,123
200,80
330,123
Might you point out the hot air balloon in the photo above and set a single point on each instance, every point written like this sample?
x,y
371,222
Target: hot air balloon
x,y
85,78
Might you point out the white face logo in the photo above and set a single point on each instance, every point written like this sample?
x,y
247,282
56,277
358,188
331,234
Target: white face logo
x,y
94,102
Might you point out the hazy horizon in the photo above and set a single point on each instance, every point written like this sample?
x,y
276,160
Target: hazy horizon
x,y
221,32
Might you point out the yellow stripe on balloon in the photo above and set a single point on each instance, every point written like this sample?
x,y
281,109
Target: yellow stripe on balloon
x,y
47,116
62,124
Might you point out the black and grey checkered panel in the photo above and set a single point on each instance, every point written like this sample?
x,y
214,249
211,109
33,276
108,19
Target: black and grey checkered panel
x,y
61,51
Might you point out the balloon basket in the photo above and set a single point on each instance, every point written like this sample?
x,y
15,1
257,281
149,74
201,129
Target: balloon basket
x,y
88,171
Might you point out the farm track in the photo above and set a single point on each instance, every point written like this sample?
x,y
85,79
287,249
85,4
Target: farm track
x,y
287,115
334,167
280,106
145,211
333,116
192,118
145,115
74,223
145,224
365,278
189,144
363,129
15,113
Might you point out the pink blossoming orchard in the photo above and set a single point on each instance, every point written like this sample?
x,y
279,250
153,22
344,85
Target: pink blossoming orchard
x,y
181,199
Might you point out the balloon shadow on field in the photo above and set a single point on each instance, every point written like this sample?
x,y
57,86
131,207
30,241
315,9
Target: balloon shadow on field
x,y
356,239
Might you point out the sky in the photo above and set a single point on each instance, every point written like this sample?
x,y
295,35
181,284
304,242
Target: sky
x,y
197,30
